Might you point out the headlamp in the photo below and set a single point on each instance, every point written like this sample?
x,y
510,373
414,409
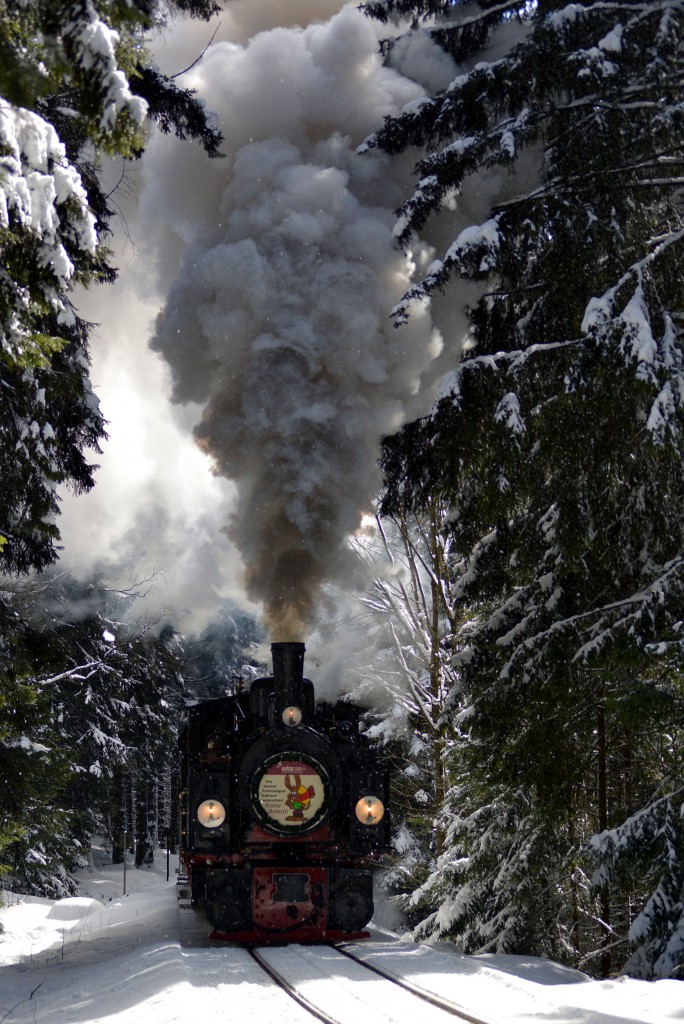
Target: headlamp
x,y
211,813
370,810
292,716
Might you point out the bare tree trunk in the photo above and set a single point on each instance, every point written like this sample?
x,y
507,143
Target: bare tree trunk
x,y
144,853
602,750
118,816
436,682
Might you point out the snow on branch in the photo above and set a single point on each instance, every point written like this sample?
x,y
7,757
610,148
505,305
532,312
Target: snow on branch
x,y
606,618
41,197
601,309
655,834
96,45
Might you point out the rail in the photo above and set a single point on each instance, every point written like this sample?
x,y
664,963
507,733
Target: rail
x,y
428,997
294,990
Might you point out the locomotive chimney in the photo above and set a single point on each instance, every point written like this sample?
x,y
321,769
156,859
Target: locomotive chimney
x,y
288,675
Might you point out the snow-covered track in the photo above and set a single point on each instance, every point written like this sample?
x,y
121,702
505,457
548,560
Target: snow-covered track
x,y
337,987
428,997
287,986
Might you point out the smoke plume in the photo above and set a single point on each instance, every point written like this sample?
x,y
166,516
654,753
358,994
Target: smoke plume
x,y
277,322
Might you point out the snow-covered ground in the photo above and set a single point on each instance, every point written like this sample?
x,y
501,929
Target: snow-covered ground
x,y
103,957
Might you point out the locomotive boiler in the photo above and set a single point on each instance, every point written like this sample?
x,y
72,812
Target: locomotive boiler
x,y
284,811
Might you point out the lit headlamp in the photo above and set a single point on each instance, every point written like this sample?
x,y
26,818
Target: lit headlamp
x,y
292,716
211,813
370,810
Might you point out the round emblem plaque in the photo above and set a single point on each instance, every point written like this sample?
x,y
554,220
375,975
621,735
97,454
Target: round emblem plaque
x,y
291,793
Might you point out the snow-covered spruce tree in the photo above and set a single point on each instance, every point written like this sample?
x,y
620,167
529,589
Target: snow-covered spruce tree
x,y
113,686
75,81
559,453
35,830
650,843
102,694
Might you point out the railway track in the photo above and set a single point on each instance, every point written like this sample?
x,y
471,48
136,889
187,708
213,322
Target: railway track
x,y
336,984
288,987
428,997
338,987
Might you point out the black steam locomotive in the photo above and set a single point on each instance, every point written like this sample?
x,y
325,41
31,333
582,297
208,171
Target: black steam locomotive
x,y
284,810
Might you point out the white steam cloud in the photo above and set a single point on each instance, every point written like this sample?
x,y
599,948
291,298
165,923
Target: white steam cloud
x,y
275,272
156,512
277,322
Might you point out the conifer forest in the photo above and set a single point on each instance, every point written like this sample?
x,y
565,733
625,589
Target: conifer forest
x,y
483,515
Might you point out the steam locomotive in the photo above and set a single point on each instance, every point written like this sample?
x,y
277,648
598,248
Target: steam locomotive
x,y
284,811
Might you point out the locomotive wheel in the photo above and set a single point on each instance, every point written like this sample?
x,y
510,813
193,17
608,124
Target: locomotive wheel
x,y
228,903
351,906
198,881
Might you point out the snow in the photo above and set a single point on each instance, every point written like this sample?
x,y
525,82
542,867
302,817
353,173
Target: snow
x,y
662,412
508,413
567,14
35,179
96,46
477,236
612,42
42,194
416,106
26,744
103,956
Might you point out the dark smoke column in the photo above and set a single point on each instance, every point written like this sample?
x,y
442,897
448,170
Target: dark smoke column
x,y
278,322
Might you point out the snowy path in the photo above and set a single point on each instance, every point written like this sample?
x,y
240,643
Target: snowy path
x,y
346,992
108,959
152,971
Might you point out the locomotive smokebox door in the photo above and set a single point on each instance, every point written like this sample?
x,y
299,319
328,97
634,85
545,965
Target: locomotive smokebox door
x,y
289,790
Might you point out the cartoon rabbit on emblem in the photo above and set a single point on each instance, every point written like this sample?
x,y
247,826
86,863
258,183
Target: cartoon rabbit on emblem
x,y
298,798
